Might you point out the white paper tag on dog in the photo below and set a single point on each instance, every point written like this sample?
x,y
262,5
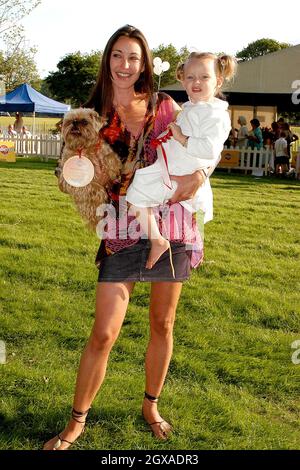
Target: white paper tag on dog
x,y
78,171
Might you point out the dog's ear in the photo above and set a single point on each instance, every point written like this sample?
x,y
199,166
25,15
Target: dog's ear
x,y
67,116
94,115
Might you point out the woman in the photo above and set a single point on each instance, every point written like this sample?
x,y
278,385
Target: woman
x,y
242,133
255,138
124,94
18,124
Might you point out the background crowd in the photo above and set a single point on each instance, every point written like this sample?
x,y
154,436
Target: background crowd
x,y
17,128
279,137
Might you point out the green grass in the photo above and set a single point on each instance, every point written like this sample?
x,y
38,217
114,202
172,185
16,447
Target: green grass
x,y
231,384
42,124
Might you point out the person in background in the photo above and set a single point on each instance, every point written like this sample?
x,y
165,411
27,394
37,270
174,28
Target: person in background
x,y
290,138
280,123
230,141
275,132
10,131
18,124
255,138
25,132
242,133
281,154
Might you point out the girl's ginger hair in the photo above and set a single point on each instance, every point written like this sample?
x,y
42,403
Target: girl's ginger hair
x,y
225,64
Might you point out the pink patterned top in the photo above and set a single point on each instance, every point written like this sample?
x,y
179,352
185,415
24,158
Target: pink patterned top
x,y
135,153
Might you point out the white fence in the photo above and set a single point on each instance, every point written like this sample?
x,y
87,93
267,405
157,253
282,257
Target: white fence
x,y
43,146
258,161
49,146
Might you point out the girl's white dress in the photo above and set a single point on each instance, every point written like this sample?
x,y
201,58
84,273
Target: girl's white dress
x,y
207,124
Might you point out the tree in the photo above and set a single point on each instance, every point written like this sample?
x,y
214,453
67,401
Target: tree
x,y
75,77
17,63
292,117
13,11
170,54
261,47
44,89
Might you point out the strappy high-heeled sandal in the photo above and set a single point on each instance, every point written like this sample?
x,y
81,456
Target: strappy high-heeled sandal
x,y
76,415
164,427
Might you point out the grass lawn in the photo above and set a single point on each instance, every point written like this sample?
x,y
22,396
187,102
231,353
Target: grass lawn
x,y
232,383
42,124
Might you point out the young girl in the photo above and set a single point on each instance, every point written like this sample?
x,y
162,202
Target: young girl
x,y
193,143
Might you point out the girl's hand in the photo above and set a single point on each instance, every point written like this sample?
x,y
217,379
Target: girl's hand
x,y
187,186
177,134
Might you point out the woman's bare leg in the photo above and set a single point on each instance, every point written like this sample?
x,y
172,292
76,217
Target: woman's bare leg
x,y
111,305
163,304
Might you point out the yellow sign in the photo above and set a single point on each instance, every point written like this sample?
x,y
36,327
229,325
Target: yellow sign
x,y
294,158
7,151
229,158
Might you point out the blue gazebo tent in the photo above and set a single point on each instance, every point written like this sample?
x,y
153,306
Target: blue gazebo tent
x,y
26,99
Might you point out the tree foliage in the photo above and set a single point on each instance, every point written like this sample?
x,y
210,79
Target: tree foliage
x,y
13,11
260,47
17,63
75,77
292,117
170,54
77,73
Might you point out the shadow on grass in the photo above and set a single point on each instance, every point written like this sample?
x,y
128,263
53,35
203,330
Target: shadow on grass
x,y
30,431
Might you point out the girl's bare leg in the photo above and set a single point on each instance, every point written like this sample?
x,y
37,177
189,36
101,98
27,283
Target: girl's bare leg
x,y
163,304
111,305
148,224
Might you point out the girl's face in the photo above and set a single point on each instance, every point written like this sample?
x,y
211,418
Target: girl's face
x,y
126,62
200,80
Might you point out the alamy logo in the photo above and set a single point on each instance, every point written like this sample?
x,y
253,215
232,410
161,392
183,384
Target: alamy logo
x,y
296,93
2,352
296,354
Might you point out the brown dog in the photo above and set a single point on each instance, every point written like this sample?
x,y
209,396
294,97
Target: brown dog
x,y
80,132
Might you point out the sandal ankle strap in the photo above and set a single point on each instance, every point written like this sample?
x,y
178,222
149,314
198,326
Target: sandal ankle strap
x,y
79,414
150,397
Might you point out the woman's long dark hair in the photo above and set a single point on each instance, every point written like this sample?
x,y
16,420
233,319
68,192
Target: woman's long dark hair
x,y
101,98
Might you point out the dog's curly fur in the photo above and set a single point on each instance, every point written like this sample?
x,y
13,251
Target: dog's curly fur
x,y
80,130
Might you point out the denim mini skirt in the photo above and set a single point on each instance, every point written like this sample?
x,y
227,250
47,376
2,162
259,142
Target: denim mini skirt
x,y
129,264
